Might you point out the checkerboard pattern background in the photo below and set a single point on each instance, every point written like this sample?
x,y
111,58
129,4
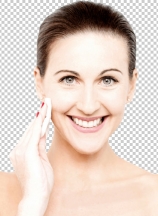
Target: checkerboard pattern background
x,y
136,138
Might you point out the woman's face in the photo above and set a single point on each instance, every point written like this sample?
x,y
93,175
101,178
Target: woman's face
x,y
89,94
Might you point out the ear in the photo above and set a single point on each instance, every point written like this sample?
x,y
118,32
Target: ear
x,y
38,83
132,85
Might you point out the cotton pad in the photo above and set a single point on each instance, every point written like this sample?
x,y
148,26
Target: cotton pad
x,y
45,125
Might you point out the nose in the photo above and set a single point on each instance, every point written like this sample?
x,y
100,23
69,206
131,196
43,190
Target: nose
x,y
88,102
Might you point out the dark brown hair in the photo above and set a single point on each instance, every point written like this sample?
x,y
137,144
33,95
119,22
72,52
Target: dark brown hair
x,y
82,16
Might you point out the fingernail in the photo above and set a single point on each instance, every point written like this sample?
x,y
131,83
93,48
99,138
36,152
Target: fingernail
x,y
37,114
42,104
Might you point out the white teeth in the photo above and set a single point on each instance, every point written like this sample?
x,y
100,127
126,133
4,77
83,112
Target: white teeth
x,y
87,124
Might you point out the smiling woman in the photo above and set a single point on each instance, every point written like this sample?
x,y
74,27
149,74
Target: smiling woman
x,y
86,55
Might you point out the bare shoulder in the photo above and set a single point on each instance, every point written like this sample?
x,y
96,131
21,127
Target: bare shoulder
x,y
148,181
151,180
10,193
145,184
129,170
151,192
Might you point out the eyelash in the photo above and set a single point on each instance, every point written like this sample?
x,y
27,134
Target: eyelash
x,y
105,77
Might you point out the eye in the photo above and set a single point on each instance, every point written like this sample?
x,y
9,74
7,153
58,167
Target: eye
x,y
66,78
71,78
106,78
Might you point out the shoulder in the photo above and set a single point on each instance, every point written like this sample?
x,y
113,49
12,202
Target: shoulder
x,y
10,193
145,180
150,187
147,190
145,185
151,180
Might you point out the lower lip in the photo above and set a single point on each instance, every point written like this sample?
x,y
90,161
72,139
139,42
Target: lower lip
x,y
87,130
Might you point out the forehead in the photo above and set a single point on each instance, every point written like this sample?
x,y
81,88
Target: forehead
x,y
89,49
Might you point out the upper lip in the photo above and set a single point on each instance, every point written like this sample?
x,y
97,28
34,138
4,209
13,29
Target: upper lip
x,y
87,119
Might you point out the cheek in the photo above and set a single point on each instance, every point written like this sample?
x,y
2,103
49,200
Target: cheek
x,y
114,102
117,106
62,100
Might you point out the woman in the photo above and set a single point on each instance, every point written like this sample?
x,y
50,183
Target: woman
x,y
86,55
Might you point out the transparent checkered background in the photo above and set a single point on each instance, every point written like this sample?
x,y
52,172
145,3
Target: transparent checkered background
x,y
136,138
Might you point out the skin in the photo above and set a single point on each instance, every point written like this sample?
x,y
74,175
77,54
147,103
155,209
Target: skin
x,y
88,54
90,179
84,163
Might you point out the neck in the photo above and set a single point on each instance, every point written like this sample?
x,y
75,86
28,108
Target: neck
x,y
75,171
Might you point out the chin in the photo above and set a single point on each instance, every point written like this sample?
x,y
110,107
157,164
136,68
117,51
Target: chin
x,y
88,149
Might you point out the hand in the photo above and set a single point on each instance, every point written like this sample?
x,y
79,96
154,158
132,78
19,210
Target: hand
x,y
30,161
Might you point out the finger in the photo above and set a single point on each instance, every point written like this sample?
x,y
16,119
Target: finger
x,y
27,134
36,130
45,125
22,143
42,148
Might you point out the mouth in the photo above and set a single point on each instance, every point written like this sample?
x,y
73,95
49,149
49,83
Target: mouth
x,y
102,119
89,129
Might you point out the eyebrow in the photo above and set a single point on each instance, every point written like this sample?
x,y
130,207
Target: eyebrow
x,y
77,74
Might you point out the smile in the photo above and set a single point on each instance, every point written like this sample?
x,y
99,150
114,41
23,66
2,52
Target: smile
x,y
84,128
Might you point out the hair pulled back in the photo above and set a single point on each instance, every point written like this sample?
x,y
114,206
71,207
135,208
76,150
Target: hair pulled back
x,y
82,16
